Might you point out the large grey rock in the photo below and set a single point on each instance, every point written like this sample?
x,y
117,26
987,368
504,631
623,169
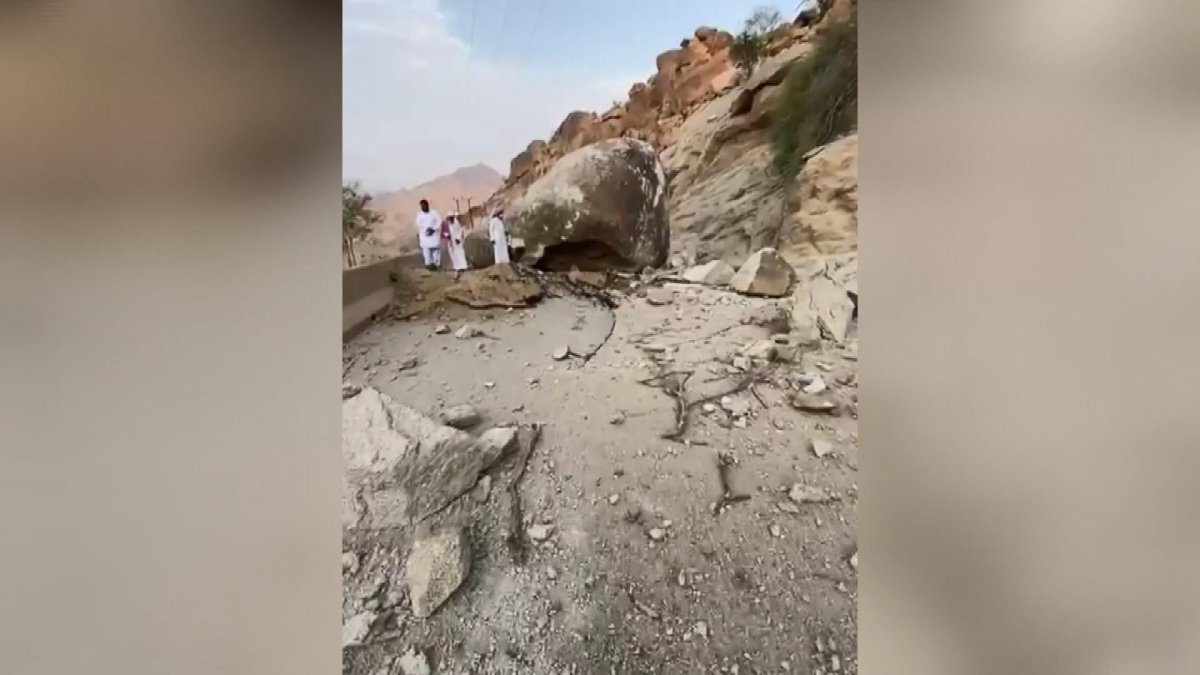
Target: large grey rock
x,y
603,205
715,273
402,466
765,273
436,567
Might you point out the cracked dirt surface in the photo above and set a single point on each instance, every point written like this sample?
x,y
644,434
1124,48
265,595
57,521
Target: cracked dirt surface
x,y
638,575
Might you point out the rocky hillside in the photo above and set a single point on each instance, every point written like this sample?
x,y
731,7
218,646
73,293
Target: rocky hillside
x,y
399,207
710,125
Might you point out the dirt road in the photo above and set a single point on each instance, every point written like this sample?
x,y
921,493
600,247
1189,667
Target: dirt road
x,y
638,573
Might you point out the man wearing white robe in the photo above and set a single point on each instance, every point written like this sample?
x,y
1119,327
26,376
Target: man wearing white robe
x,y
457,247
498,236
428,221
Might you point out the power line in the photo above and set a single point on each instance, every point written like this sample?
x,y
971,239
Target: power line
x,y
537,21
503,27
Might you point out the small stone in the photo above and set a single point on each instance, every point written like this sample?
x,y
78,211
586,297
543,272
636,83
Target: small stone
x,y
715,273
835,663
413,662
617,419
774,530
467,331
482,490
393,598
437,566
614,498
813,404
441,329
709,408
764,273
854,561
701,629
816,386
737,407
653,348
820,448
489,385
759,349
740,364
560,353
356,629
659,296
633,514
657,534
805,494
350,562
551,573
350,390
460,417
539,532
788,507
740,422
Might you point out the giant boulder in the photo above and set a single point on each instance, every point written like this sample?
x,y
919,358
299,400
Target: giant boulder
x,y
601,206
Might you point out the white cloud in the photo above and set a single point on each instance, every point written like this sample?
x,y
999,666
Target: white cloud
x,y
417,105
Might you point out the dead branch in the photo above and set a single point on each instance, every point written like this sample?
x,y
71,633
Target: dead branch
x,y
527,438
675,388
724,462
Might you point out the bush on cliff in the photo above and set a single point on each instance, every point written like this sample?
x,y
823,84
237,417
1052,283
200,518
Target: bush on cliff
x,y
819,100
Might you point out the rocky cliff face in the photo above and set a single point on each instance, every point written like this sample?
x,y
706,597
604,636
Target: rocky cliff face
x,y
709,125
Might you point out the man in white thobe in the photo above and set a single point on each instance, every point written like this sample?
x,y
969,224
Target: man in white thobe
x,y
457,246
498,236
428,221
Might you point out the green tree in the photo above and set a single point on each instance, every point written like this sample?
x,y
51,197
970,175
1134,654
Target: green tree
x,y
357,219
748,45
746,51
763,20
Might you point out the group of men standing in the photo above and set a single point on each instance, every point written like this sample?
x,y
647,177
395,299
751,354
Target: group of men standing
x,y
433,232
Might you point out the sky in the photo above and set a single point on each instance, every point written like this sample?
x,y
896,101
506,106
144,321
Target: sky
x,y
429,86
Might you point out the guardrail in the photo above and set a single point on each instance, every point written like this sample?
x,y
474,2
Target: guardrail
x,y
367,291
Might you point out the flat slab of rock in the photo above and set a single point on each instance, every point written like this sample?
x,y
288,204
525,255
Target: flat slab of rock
x,y
715,273
495,286
437,566
765,273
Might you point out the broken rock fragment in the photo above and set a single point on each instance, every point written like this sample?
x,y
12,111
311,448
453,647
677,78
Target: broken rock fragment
x,y
715,273
659,296
437,566
806,494
763,350
413,662
356,629
813,404
402,466
764,273
460,417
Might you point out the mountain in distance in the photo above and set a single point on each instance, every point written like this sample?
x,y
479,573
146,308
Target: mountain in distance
x,y
400,207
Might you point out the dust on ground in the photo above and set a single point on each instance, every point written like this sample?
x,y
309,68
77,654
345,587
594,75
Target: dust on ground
x,y
647,567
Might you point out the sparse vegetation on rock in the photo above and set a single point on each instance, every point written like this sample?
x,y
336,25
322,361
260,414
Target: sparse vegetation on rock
x,y
819,98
